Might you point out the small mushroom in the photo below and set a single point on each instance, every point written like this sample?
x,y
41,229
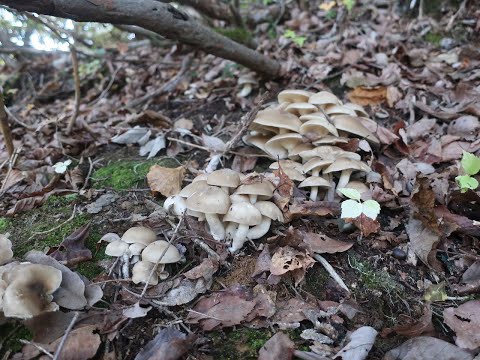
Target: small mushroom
x,y
328,152
136,249
257,140
175,205
346,166
292,168
323,99
161,252
301,108
29,290
357,185
6,253
280,146
353,125
314,182
200,177
227,179
277,119
269,212
293,96
330,140
247,82
212,202
339,110
139,235
259,190
245,215
116,248
318,124
141,272
359,110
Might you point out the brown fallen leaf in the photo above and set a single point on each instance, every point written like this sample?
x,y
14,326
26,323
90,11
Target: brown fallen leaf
x,y
321,243
72,249
287,259
166,181
284,190
365,224
457,223
423,242
278,347
169,344
28,203
312,208
422,326
465,321
368,96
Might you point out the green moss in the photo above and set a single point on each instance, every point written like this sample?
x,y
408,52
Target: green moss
x,y
243,343
373,279
10,335
126,174
315,281
433,38
239,35
3,225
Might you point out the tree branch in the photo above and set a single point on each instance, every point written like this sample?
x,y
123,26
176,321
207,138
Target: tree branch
x,y
161,18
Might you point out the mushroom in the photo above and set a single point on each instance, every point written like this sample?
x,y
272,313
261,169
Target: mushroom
x,y
245,215
136,249
225,178
292,168
175,205
277,119
339,110
318,124
139,235
280,145
231,227
357,185
359,110
293,96
29,290
161,252
248,81
269,212
200,177
211,201
6,253
259,190
256,140
330,140
298,149
301,108
353,125
192,188
314,182
141,272
324,98
116,248
346,166
328,152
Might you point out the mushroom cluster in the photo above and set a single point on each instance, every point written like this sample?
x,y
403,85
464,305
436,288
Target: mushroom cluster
x,y
235,206
139,246
311,128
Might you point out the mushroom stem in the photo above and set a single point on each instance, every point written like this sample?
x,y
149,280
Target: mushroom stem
x,y
239,238
213,163
125,265
259,230
253,198
216,227
331,190
230,230
313,193
344,177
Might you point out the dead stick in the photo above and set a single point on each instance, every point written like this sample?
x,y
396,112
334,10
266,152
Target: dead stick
x,y
65,336
38,347
7,133
76,77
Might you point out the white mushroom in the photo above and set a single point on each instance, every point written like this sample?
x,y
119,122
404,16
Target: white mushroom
x,y
161,252
6,253
269,212
175,205
141,272
245,215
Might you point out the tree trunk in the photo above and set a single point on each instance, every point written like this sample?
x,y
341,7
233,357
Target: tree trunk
x,y
161,18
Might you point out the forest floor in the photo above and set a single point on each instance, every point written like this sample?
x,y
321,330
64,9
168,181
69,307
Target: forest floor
x,y
417,77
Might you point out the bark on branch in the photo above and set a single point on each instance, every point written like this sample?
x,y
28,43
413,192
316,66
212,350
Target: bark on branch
x,y
156,16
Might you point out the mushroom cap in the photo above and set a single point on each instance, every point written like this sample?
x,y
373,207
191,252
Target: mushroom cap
x,y
301,108
29,291
286,164
317,124
175,204
139,234
211,200
264,188
116,248
323,98
279,119
315,181
279,145
357,185
224,177
341,164
193,187
6,252
247,79
136,248
141,271
234,198
352,125
330,140
328,152
199,177
300,148
359,110
154,251
270,210
243,213
316,163
339,110
257,140
294,96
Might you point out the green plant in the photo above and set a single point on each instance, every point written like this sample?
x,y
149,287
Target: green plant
x,y
292,35
349,4
471,166
354,207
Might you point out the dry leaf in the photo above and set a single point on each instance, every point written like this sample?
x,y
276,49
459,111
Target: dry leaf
x,y
287,259
278,347
72,249
166,181
422,326
312,208
423,241
465,321
361,342
169,344
368,96
321,243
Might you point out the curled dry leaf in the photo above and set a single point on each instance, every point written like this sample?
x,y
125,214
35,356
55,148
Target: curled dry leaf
x,y
368,96
422,326
169,344
312,208
423,242
366,225
278,347
321,243
72,249
284,190
287,259
465,321
361,342
166,181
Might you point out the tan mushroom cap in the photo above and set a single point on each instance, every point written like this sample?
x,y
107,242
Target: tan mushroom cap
x,y
263,189
299,108
294,96
286,164
140,235
243,213
6,252
352,125
315,164
341,164
141,272
247,79
136,248
324,98
224,177
235,198
330,140
300,148
116,248
29,291
211,200
315,181
357,185
270,210
359,110
200,177
193,187
280,145
153,253
280,119
328,152
317,124
257,140
339,110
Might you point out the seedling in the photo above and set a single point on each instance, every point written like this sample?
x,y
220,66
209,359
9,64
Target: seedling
x,y
61,167
471,166
297,39
349,4
354,207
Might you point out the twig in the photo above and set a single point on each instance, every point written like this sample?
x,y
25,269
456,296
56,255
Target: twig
x,y
56,227
168,86
206,315
206,248
39,347
11,164
65,336
18,121
6,131
331,271
90,169
76,77
461,9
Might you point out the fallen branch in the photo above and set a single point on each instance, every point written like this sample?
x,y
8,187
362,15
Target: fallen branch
x,y
7,133
331,271
65,336
161,18
76,77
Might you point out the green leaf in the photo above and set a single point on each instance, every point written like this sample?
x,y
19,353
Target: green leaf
x,y
290,34
470,163
466,182
436,292
351,209
350,193
371,209
349,4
